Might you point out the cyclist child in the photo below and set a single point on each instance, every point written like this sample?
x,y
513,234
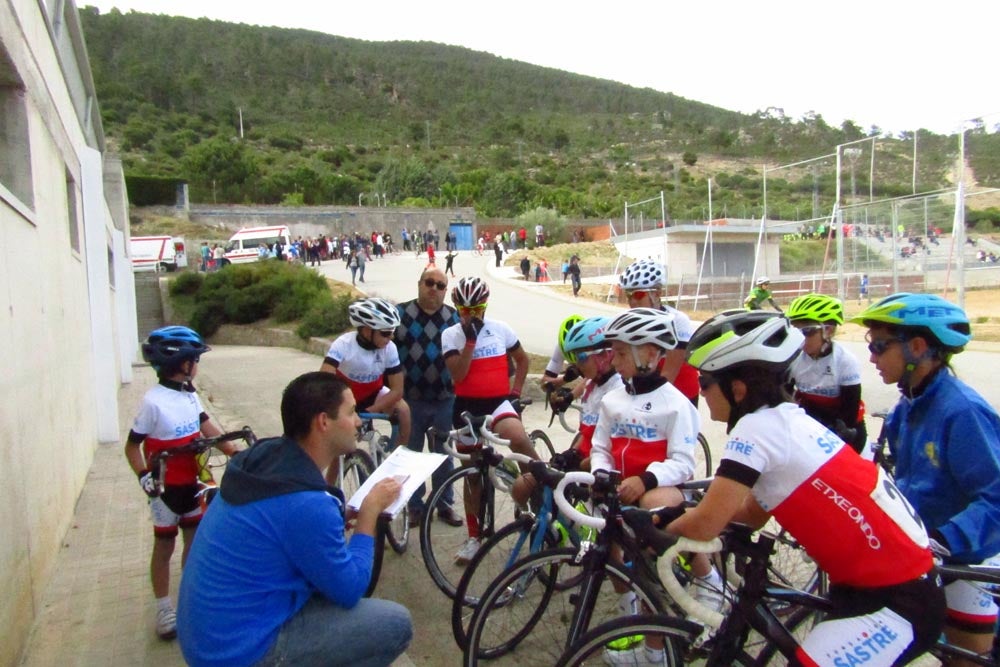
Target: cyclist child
x,y
476,351
368,361
759,294
551,378
827,376
780,462
171,415
946,441
647,430
643,283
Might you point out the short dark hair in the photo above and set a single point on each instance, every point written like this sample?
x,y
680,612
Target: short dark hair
x,y
305,397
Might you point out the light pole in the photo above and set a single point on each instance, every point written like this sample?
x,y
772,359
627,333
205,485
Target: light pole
x,y
360,195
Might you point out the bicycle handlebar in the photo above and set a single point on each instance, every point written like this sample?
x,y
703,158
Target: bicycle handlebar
x,y
570,512
199,445
685,600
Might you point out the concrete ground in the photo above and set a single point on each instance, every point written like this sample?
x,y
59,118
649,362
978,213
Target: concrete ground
x,y
98,607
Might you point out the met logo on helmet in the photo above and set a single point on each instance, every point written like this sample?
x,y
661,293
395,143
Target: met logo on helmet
x,y
930,311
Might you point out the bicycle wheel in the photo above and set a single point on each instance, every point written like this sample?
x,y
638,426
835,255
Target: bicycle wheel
x,y
542,444
358,467
526,609
439,542
507,546
397,531
678,636
703,457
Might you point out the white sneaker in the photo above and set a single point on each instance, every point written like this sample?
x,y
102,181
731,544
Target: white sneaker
x,y
637,656
467,552
166,623
708,593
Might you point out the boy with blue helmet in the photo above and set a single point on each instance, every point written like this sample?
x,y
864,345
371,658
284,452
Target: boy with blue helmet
x,y
946,441
171,416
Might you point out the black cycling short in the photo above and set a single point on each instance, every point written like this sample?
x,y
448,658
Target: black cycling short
x,y
180,499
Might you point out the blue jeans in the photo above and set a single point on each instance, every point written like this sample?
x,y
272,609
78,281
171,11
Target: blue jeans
x,y
425,414
372,634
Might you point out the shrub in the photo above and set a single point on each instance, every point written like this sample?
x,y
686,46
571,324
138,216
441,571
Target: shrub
x,y
188,282
329,317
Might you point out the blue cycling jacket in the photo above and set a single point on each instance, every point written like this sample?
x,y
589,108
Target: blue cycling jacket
x,y
947,447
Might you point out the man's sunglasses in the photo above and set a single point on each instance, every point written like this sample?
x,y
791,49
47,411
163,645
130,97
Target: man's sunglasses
x,y
430,282
706,381
637,294
471,309
387,334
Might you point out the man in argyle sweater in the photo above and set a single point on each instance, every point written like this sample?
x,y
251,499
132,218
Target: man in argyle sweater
x,y
427,385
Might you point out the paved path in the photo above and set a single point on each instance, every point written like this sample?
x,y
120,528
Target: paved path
x,y
97,609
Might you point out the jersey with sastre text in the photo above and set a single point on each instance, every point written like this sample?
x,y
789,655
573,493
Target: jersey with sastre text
x,y
487,376
842,509
170,418
818,381
363,370
590,408
653,432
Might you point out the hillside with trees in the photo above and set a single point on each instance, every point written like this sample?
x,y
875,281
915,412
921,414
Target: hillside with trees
x,y
249,114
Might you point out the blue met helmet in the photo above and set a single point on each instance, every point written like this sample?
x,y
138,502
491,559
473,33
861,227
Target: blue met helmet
x,y
169,346
586,334
923,314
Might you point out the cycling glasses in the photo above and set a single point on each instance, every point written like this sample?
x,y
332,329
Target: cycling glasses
x,y
471,309
811,330
386,333
707,381
430,282
878,347
637,294
583,355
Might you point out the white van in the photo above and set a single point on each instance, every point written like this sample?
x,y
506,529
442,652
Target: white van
x,y
244,245
157,253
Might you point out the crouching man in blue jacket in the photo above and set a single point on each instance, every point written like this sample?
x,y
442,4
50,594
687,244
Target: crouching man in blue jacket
x,y
271,578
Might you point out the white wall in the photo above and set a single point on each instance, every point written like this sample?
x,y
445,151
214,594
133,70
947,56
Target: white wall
x,y
61,322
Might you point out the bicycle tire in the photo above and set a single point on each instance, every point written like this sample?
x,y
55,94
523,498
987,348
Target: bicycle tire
x,y
358,467
679,636
496,554
439,541
546,451
529,596
703,457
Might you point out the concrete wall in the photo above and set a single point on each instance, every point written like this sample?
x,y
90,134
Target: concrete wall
x,y
61,290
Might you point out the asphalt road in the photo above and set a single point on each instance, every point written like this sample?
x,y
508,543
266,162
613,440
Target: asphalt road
x,y
243,386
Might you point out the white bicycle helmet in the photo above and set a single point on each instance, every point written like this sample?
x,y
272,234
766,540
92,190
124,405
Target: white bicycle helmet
x,y
643,325
744,338
469,293
643,274
374,312
763,280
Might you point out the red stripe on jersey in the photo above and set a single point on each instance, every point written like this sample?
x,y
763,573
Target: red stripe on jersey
x,y
971,619
586,438
632,456
487,378
361,390
832,513
180,469
804,658
687,381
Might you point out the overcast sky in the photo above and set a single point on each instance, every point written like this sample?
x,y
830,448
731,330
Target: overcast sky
x,y
899,65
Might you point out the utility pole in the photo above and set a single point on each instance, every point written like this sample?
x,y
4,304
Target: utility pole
x,y
428,125
241,122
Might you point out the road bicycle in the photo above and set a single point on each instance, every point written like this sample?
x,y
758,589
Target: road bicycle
x,y
714,639
488,470
530,532
539,606
199,447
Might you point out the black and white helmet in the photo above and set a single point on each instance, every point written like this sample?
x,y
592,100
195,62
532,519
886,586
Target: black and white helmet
x,y
643,274
763,280
376,313
469,293
743,338
643,325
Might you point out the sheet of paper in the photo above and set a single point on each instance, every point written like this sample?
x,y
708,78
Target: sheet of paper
x,y
415,467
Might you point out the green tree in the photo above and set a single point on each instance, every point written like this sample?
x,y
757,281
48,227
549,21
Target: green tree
x,y
221,164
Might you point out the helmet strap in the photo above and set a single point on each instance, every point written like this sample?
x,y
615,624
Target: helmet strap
x,y
650,366
366,343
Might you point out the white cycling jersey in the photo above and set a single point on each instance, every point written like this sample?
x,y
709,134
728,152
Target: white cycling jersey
x,y
170,418
818,381
364,370
590,408
843,510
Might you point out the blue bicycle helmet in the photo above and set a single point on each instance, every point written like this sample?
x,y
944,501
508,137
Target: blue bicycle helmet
x,y
585,335
925,315
169,346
